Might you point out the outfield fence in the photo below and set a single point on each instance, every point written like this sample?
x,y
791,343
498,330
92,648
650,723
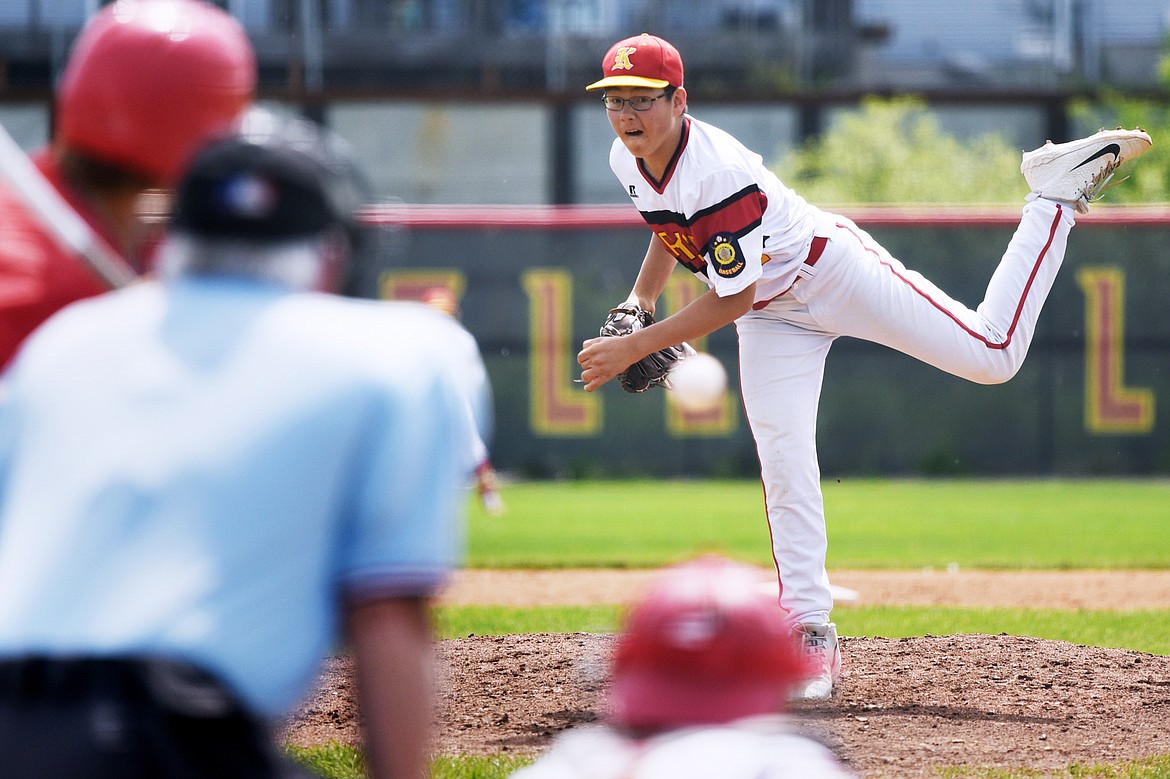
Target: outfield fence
x,y
534,282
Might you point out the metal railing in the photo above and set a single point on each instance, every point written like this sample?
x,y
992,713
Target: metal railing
x,y
759,45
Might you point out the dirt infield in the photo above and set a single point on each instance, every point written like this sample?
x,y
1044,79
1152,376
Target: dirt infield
x,y
903,708
1110,590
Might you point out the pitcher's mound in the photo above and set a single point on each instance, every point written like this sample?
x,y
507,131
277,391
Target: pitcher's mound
x,y
902,708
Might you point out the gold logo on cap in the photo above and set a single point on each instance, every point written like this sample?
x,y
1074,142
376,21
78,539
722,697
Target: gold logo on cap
x,y
621,60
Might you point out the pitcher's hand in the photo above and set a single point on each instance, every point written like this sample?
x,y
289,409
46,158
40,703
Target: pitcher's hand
x,y
601,359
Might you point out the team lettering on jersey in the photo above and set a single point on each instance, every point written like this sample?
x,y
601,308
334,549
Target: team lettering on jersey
x,y
682,246
712,235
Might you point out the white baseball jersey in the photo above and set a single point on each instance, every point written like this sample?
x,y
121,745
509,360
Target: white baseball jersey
x,y
751,748
722,214
818,276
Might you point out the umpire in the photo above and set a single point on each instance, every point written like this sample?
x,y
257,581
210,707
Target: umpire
x,y
209,480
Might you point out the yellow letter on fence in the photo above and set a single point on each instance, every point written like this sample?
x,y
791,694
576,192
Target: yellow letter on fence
x,y
416,284
558,407
1110,407
680,290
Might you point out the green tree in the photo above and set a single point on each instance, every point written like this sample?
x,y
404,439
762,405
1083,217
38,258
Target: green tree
x,y
1149,180
895,151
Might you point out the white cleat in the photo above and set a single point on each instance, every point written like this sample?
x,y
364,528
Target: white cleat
x,y
1078,172
816,690
819,645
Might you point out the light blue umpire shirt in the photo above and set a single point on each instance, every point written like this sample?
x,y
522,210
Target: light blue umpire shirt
x,y
205,470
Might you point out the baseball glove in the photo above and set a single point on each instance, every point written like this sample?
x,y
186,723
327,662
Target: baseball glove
x,y
651,370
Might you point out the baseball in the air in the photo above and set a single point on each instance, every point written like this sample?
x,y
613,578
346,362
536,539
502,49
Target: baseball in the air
x,y
698,383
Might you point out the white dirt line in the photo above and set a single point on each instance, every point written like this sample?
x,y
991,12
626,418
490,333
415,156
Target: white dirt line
x,y
1064,589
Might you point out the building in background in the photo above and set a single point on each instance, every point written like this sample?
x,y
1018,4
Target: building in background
x,y
484,98
543,45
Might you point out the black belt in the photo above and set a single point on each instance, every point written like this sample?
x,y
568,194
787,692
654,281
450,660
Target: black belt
x,y
179,687
94,717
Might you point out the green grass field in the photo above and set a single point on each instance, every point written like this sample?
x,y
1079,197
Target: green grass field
x,y
911,524
872,524
1141,630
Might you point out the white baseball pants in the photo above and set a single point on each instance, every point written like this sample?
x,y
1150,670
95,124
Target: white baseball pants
x,y
858,289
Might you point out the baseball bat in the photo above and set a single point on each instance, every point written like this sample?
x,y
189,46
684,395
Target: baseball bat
x,y
47,205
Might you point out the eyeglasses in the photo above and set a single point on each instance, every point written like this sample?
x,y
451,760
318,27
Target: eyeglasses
x,y
639,103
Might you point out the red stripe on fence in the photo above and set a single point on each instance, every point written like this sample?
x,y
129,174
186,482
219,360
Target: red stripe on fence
x,y
600,217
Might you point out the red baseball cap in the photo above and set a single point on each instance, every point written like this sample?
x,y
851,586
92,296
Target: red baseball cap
x,y
641,61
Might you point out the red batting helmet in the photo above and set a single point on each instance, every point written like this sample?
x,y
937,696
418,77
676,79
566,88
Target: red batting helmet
x,y
707,644
149,80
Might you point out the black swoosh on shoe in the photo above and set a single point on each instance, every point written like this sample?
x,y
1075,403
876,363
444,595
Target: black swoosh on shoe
x,y
1113,148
